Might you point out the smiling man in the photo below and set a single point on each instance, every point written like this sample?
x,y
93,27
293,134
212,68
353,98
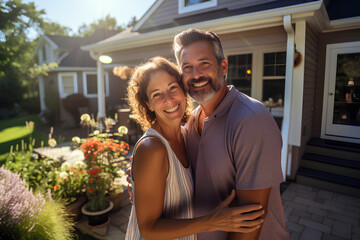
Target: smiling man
x,y
232,140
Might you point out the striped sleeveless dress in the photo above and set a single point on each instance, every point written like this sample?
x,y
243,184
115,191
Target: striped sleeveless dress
x,y
178,199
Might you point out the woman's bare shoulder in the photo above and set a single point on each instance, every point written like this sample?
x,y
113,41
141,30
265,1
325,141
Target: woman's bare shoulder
x,y
150,156
150,148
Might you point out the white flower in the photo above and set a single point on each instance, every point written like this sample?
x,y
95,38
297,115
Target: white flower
x,y
52,142
120,172
85,117
65,167
76,140
123,130
96,132
79,165
63,175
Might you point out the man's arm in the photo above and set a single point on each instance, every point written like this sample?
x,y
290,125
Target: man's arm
x,y
246,197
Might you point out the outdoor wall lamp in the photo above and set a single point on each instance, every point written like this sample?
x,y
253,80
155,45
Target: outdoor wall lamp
x,y
105,59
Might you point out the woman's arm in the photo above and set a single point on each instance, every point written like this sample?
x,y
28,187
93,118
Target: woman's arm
x,y
150,169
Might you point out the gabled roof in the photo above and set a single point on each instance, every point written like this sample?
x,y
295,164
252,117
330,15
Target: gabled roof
x,y
213,14
65,42
223,20
75,56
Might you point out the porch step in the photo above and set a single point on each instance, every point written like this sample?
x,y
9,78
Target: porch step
x,y
329,181
336,149
332,165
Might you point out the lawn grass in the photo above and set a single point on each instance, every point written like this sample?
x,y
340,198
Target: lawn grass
x,y
13,131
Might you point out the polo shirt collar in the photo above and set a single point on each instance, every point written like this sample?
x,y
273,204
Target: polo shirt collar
x,y
221,108
225,103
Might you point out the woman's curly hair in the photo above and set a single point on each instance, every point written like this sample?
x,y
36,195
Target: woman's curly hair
x,y
137,88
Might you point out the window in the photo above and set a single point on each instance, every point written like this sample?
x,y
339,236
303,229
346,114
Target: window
x,y
240,72
274,79
90,84
186,6
67,84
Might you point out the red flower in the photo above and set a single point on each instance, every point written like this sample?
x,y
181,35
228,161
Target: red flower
x,y
91,180
97,179
94,171
90,190
56,187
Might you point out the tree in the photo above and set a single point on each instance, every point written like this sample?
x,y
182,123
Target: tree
x,y
53,28
16,50
132,22
108,23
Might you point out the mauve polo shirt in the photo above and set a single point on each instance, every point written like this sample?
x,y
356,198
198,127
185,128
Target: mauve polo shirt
x,y
240,147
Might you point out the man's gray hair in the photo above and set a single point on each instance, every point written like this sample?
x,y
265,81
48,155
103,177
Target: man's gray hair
x,y
192,35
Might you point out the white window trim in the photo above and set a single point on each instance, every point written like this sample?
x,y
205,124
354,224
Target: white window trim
x,y
186,9
60,83
85,84
257,65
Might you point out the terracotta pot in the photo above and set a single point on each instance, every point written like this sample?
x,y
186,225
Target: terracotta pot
x,y
74,209
99,218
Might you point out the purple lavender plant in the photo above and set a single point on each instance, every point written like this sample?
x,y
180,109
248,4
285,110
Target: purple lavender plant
x,y
17,203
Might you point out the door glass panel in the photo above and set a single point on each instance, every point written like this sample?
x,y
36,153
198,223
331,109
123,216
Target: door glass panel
x,y
347,90
240,71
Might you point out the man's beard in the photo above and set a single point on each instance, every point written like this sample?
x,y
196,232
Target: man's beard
x,y
205,94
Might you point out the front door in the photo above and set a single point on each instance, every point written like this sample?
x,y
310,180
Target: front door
x,y
341,111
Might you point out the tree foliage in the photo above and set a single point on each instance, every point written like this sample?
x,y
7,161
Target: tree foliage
x,y
53,28
16,50
108,23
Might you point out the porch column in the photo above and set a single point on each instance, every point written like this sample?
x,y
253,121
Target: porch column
x,y
286,124
42,94
298,88
101,92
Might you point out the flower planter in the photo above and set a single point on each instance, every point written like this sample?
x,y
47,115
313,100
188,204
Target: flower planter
x,y
99,218
74,209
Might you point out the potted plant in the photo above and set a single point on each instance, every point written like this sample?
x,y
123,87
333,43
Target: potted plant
x,y
71,185
103,155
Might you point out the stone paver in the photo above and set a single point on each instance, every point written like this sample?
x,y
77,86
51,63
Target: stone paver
x,y
311,213
331,216
341,229
310,234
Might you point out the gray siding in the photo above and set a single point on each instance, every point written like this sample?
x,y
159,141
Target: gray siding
x,y
310,66
167,12
311,55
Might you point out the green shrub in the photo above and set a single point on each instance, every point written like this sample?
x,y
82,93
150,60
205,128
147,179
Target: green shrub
x,y
73,102
24,215
39,174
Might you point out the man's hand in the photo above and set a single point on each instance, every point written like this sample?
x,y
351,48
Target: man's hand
x,y
242,219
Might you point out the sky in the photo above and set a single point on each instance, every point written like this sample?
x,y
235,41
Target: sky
x,y
73,13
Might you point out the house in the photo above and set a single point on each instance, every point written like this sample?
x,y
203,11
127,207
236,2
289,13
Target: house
x,y
301,58
76,73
